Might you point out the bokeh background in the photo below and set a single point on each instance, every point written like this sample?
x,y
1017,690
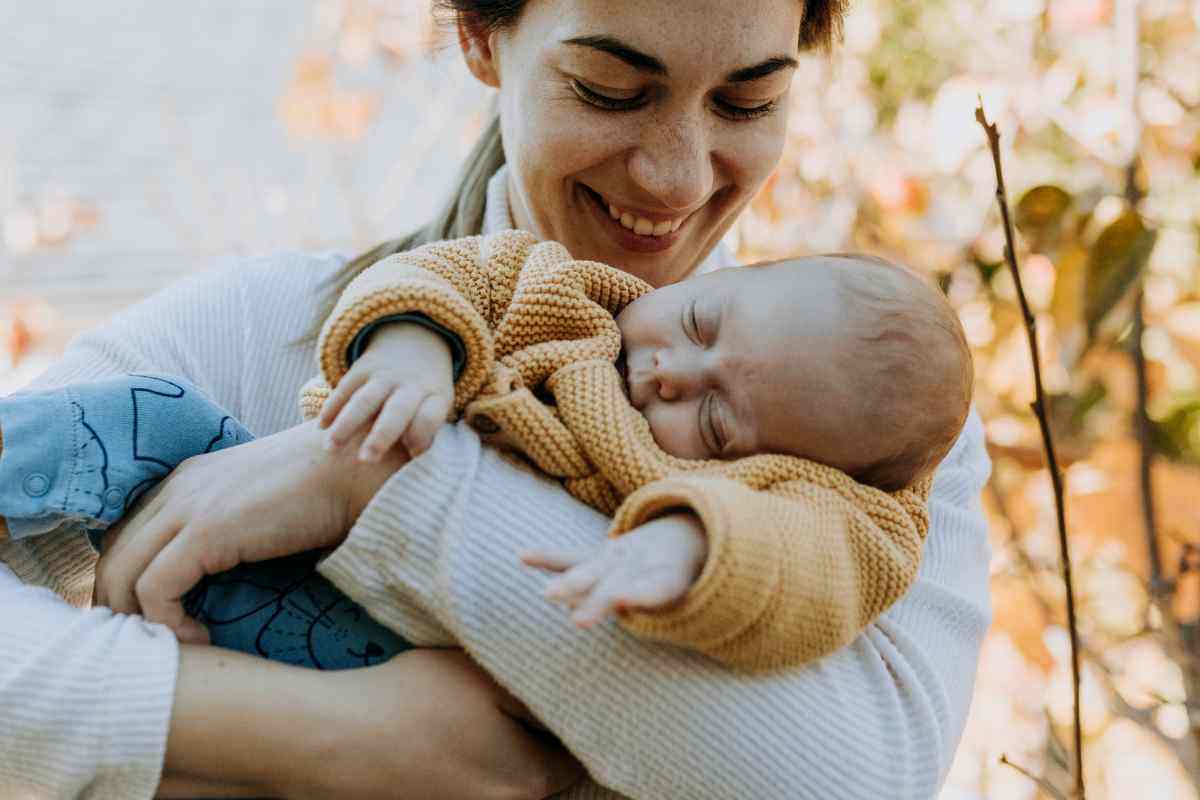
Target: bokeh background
x,y
141,141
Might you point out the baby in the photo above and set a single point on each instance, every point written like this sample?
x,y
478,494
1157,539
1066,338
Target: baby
x,y
852,373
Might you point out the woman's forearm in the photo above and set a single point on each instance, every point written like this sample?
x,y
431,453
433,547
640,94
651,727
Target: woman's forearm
x,y
241,726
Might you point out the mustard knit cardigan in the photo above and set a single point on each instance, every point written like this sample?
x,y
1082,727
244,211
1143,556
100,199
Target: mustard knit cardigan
x,y
801,557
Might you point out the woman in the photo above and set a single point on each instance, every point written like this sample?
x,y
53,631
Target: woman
x,y
672,112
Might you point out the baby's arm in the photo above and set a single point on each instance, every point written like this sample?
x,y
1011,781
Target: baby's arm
x,y
386,348
792,573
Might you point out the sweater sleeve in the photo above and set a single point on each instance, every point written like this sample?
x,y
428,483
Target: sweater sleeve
x,y
880,717
86,698
86,695
448,282
794,572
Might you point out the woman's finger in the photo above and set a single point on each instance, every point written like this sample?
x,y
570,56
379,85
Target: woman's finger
x,y
361,409
179,566
338,397
118,571
394,418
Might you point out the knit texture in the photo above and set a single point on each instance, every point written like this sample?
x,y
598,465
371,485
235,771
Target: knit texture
x,y
801,557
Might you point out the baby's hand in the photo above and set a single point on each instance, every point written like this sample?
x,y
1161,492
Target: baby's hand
x,y
648,568
402,387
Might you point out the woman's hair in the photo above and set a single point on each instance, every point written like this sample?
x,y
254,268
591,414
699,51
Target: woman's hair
x,y
462,215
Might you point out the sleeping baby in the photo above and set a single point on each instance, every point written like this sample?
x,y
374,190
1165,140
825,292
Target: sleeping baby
x,y
764,439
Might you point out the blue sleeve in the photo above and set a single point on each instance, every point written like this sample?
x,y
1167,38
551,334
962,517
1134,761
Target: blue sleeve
x,y
457,348
82,455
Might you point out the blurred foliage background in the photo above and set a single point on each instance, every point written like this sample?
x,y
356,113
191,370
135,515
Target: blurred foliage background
x,y
335,123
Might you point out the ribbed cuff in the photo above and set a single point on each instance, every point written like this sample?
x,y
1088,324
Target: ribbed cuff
x,y
458,350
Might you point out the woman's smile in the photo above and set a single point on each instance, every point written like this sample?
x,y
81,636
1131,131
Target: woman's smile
x,y
629,230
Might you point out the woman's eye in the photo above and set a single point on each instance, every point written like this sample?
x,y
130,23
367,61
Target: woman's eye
x,y
732,111
595,98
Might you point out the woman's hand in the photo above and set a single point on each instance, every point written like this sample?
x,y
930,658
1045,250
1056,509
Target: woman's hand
x,y
428,723
272,497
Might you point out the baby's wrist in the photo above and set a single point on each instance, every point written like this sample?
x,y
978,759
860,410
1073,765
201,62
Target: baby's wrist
x,y
689,527
411,343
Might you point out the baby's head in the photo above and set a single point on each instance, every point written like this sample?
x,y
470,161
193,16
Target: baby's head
x,y
846,360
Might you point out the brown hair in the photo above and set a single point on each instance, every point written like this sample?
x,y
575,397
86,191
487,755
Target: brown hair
x,y
462,214
920,368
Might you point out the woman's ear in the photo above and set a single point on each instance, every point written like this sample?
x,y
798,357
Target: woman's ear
x,y
476,43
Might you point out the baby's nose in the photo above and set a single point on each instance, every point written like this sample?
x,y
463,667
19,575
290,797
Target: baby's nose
x,y
675,378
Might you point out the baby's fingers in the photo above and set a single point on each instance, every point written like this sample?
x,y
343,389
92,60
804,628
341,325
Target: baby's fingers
x,y
338,397
430,415
576,581
361,409
555,559
604,600
393,419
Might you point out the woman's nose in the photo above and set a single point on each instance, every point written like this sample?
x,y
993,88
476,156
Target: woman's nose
x,y
674,163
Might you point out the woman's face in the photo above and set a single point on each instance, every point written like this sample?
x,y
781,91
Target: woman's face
x,y
665,117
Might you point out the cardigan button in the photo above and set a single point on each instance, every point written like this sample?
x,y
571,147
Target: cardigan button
x,y
114,497
485,424
36,484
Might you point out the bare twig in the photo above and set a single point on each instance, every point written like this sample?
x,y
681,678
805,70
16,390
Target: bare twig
x,y
1039,409
1045,785
1158,587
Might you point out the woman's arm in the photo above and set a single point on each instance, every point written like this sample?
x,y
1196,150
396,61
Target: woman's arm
x,y
85,697
425,724
880,718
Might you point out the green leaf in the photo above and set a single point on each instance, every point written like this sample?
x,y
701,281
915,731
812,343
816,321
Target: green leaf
x,y
1114,264
1177,434
1041,207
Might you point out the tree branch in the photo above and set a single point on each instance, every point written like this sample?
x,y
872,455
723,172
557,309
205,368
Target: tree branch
x,y
1039,409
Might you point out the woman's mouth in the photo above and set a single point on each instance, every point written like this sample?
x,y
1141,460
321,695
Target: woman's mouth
x,y
633,232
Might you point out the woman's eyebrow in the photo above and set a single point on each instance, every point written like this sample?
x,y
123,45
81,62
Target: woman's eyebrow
x,y
617,48
771,65
648,63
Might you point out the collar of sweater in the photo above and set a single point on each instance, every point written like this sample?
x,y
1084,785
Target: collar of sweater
x,y
497,217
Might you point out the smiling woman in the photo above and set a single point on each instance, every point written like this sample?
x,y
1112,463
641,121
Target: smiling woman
x,y
633,133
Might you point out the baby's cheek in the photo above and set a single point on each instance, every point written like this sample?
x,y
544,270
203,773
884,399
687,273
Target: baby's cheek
x,y
675,429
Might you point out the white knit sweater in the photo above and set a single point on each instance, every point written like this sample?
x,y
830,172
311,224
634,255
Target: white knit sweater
x,y
85,695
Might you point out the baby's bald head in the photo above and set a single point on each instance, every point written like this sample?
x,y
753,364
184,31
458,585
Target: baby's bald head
x,y
902,372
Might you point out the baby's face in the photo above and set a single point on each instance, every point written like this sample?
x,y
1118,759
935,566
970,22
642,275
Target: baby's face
x,y
735,362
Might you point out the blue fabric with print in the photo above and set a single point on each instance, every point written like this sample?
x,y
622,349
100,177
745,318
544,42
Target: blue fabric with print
x,y
80,457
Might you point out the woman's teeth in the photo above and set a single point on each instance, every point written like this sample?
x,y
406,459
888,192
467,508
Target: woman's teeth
x,y
642,226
